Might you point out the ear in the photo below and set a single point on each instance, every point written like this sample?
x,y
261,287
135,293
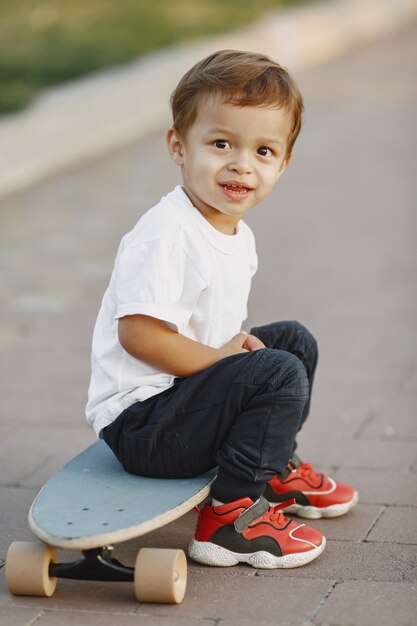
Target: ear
x,y
175,146
285,162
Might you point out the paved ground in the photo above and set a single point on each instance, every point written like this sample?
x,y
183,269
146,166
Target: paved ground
x,y
337,247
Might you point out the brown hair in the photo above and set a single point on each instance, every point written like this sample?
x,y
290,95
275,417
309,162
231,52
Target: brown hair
x,y
242,79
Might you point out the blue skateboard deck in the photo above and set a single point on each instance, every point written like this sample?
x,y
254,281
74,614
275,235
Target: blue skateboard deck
x,y
92,502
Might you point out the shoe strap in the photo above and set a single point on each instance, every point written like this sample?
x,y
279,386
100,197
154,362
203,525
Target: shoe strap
x,y
250,514
295,461
293,464
283,505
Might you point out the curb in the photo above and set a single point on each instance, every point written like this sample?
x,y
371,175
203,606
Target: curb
x,y
91,116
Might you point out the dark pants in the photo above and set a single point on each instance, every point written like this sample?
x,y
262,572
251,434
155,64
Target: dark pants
x,y
242,414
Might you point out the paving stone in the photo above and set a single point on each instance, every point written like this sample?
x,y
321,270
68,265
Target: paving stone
x,y
29,455
205,599
370,604
398,524
248,597
350,527
410,385
343,560
381,487
386,413
54,394
19,616
341,419
237,570
14,505
396,419
276,621
358,453
69,618
70,594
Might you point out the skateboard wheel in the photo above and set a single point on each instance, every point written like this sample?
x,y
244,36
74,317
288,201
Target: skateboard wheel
x,y
160,575
27,569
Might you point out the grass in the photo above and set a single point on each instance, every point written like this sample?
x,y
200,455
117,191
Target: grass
x,y
45,42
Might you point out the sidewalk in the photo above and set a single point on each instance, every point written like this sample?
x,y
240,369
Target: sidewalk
x,y
337,251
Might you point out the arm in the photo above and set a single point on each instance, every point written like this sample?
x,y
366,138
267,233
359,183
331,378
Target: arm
x,y
154,342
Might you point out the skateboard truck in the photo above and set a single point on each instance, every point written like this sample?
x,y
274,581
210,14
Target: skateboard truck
x,y
158,576
97,564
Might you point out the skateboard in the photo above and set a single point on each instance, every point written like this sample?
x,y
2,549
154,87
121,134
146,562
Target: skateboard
x,y
92,504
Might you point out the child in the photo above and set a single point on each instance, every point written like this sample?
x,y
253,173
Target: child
x,y
177,387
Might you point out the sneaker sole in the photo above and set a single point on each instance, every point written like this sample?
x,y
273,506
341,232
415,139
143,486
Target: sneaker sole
x,y
315,512
211,554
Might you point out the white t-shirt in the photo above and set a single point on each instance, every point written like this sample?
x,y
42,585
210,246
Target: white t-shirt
x,y
176,267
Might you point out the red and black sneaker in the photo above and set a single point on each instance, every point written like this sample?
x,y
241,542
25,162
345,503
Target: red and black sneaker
x,y
316,495
250,532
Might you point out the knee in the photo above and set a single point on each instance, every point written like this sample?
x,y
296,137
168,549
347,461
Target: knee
x,y
282,371
304,342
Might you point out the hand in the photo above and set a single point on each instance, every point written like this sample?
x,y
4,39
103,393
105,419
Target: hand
x,y
253,343
235,345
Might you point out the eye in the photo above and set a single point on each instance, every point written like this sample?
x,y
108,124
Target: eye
x,y
222,144
264,151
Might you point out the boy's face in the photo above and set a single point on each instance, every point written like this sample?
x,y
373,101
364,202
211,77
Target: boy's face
x,y
231,158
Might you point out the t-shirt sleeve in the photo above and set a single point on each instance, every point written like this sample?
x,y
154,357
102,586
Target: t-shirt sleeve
x,y
157,279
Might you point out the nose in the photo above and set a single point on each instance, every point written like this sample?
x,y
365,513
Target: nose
x,y
241,163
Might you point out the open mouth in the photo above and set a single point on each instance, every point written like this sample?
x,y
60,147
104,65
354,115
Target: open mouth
x,y
235,190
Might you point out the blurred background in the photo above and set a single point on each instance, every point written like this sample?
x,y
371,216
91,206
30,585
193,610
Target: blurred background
x,y
45,42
